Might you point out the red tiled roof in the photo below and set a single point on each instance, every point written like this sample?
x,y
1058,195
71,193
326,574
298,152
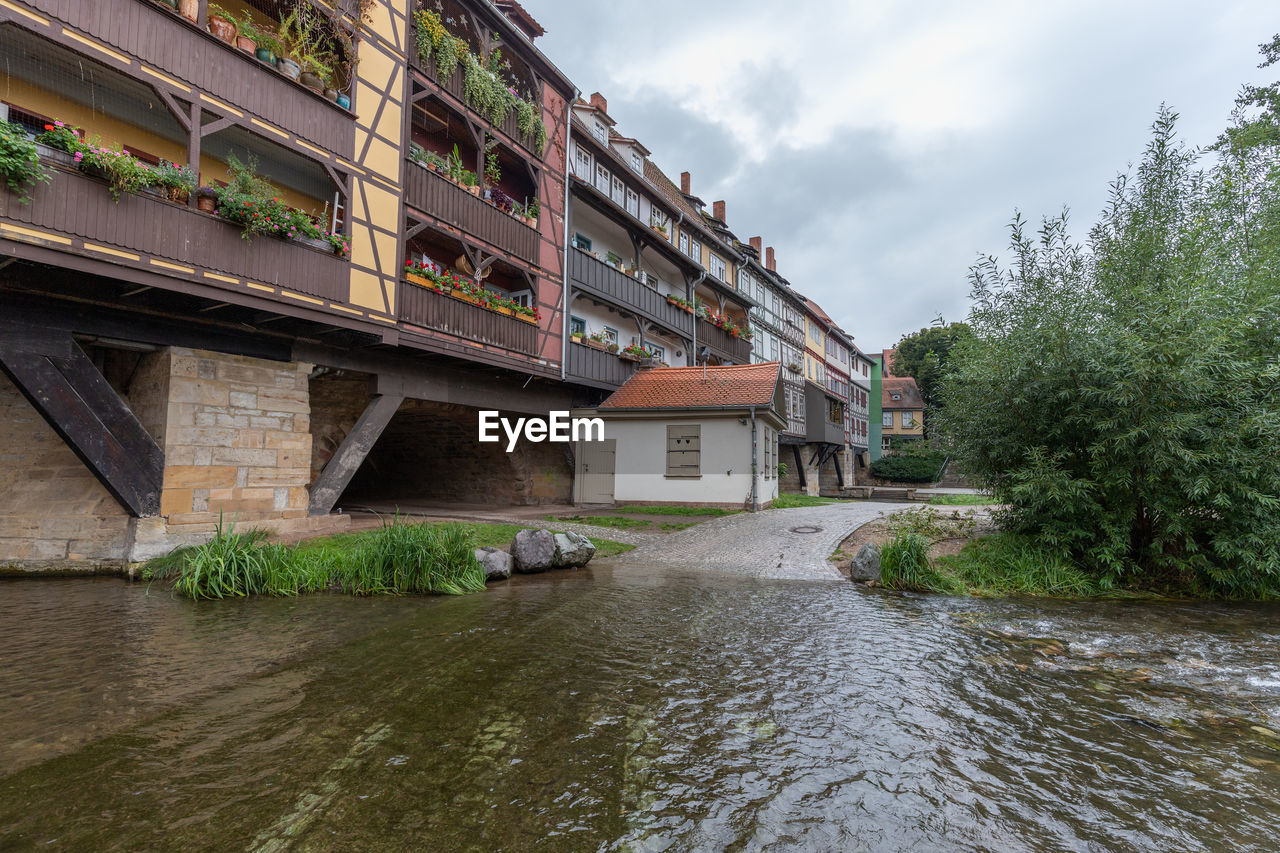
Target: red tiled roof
x,y
738,385
907,390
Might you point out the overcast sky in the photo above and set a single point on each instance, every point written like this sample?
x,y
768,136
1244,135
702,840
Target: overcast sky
x,y
880,147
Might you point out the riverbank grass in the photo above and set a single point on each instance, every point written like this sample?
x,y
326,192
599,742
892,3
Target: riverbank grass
x,y
396,559
961,500
995,566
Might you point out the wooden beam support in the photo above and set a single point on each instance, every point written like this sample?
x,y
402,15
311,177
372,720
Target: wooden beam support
x,y
179,113
337,473
65,387
795,451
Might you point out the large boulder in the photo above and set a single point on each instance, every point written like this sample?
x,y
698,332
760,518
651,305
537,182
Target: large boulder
x,y
496,563
573,550
866,565
533,551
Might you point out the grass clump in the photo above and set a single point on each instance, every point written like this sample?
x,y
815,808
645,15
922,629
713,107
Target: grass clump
x,y
709,511
791,500
961,500
603,521
905,565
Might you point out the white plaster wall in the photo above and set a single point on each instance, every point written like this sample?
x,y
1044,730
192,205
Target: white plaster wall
x,y
641,462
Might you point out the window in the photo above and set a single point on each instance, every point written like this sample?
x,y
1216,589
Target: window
x,y
835,411
695,250
599,132
582,162
610,335
718,267
908,420
886,444
768,454
633,203
684,450
819,372
577,326
619,192
660,353
657,217
886,419
581,241
603,179
637,162
684,242
774,355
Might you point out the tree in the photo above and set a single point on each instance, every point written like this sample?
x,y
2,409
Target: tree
x,y
1261,128
924,356
1124,397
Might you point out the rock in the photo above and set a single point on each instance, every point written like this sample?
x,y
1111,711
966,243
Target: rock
x,y
533,551
573,550
866,565
496,562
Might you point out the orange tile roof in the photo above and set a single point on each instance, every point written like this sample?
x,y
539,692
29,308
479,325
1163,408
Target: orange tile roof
x,y
728,386
907,390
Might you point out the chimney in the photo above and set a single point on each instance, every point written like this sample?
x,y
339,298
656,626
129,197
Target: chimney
x,y
769,263
717,210
686,183
598,101
757,243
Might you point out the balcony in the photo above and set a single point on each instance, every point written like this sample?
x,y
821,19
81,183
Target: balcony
x,y
163,40
453,85
722,344
441,198
159,236
596,278
597,368
428,309
820,428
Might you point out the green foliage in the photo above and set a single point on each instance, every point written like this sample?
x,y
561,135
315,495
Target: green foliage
x,y
1006,564
904,565
791,500
961,500
615,521
1121,399
924,356
1257,115
485,91
909,467
403,558
713,512
19,161
250,201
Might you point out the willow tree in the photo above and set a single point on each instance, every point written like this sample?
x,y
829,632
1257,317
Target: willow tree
x,y
1123,396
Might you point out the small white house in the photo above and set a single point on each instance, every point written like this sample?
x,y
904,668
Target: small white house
x,y
702,436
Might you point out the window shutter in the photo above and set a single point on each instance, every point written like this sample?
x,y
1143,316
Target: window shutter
x,y
684,450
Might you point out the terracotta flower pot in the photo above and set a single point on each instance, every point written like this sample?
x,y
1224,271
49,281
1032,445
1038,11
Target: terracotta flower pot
x,y
207,203
246,44
474,190
222,28
189,9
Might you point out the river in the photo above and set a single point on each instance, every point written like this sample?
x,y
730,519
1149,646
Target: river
x,y
619,709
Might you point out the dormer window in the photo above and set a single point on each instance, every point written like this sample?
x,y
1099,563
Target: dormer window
x,y
600,133
637,162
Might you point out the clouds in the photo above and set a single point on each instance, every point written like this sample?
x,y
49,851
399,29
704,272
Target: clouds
x,y
881,147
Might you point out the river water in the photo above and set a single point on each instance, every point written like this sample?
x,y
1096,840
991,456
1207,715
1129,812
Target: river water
x,y
616,709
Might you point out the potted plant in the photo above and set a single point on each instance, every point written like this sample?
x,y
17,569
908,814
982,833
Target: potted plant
x,y
189,9
465,290
171,4
177,182
266,45
576,337
472,184
492,171
527,313
531,211
596,340
612,348
207,199
291,40
343,100
222,24
416,272
634,352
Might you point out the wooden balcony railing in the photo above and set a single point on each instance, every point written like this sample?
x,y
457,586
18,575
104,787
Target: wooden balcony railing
x,y
453,85
592,276
596,368
727,347
419,306
163,40
441,198
171,238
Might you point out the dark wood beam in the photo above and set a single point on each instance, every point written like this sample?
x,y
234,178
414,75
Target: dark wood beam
x,y
337,474
65,387
795,451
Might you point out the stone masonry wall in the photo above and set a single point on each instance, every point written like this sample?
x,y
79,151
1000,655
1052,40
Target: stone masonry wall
x,y
53,512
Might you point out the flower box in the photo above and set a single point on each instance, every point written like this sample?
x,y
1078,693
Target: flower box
x,y
628,356
577,339
501,309
465,297
422,281
594,344
528,318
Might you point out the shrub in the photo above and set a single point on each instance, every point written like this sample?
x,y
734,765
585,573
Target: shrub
x,y
908,468
19,161
904,565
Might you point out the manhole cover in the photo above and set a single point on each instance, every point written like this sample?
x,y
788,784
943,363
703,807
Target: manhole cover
x,y
806,529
